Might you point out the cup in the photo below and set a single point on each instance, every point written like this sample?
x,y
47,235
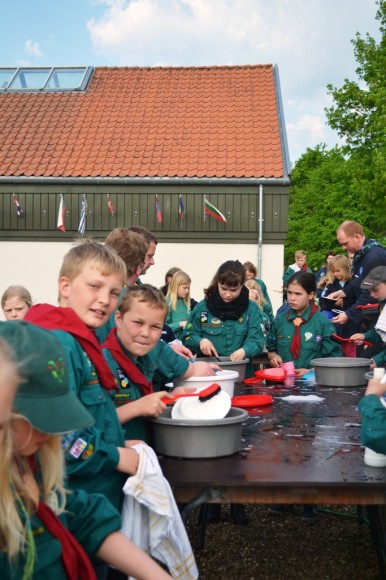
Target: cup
x,y
374,459
378,373
289,368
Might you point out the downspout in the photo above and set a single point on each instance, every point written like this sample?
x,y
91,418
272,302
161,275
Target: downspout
x,y
260,238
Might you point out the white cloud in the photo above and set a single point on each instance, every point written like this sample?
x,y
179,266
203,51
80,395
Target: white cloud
x,y
33,48
310,41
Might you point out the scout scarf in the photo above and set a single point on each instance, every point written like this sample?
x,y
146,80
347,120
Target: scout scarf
x,y
368,245
298,321
58,318
113,344
228,310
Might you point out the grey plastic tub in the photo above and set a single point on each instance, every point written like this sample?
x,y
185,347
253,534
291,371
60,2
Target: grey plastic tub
x,y
341,372
198,439
227,364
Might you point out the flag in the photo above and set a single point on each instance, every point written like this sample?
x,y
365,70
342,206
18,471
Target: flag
x,y
82,218
110,204
158,209
19,210
211,210
181,207
62,208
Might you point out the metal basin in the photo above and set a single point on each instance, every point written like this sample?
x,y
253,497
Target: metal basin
x,y
198,439
341,372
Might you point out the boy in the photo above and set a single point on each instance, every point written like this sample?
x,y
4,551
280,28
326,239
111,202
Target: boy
x,y
299,264
98,458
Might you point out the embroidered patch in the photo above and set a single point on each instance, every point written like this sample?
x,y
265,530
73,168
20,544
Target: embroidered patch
x,y
78,448
89,451
204,316
124,381
318,338
67,440
307,336
189,326
241,320
216,321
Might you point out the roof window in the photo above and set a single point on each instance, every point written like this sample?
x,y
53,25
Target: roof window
x,y
45,79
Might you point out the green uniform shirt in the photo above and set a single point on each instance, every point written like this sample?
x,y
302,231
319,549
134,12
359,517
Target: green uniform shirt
x,y
174,317
92,455
315,338
227,336
373,425
89,517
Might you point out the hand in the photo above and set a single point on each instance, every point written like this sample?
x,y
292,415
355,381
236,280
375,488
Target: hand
x,y
238,355
375,387
300,372
274,359
183,323
150,405
207,347
341,318
182,350
336,295
358,337
201,369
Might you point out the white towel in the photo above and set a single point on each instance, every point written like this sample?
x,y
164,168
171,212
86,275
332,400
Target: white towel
x,y
380,325
150,517
305,398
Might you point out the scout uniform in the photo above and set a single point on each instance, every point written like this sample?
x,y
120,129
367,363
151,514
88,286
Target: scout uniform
x,y
226,335
373,425
174,317
315,337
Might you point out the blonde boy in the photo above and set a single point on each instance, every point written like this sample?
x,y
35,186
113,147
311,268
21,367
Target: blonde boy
x,y
299,264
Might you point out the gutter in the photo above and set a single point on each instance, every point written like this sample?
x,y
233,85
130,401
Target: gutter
x,y
248,181
260,237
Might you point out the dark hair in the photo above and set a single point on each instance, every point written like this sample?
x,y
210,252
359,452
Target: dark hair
x,y
305,279
330,254
147,234
230,274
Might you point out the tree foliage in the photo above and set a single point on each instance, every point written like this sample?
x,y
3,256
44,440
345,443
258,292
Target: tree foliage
x,y
328,187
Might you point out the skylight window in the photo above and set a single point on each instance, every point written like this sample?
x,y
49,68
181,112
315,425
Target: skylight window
x,y
45,79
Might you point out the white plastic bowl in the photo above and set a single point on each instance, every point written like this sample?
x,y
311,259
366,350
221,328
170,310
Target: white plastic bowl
x,y
226,380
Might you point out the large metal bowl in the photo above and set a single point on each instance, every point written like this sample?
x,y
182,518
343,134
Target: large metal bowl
x,y
198,439
227,364
341,372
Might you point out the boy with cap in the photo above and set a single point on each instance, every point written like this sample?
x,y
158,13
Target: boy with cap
x,y
90,282
47,532
375,283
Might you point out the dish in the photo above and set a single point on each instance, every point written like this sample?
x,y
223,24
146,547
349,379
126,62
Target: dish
x,y
192,408
246,401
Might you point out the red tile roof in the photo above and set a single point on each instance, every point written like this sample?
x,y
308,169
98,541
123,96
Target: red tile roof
x,y
148,122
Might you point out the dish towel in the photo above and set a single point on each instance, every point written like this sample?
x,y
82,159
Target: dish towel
x,y
150,517
380,326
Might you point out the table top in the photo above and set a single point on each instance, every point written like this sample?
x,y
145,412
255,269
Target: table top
x,y
289,448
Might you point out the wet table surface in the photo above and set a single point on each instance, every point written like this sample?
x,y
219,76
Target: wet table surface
x,y
292,452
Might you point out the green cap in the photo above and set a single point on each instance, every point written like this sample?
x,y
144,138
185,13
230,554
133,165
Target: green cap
x,y
44,395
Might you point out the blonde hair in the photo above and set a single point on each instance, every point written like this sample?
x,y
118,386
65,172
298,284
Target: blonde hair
x,y
19,292
350,228
180,278
143,293
87,252
343,263
300,254
328,278
259,296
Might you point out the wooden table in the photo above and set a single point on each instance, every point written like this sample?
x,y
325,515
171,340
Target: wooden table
x,y
296,453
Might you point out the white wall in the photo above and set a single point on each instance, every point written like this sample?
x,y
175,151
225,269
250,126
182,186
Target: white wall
x,y
36,265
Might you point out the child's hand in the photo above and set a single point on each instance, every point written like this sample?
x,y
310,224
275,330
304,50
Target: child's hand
x,y
207,348
182,350
151,405
375,387
274,360
358,337
300,372
201,369
238,355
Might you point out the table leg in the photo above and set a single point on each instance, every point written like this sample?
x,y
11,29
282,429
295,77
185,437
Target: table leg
x,y
378,534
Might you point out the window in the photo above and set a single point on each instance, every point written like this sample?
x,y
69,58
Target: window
x,y
45,79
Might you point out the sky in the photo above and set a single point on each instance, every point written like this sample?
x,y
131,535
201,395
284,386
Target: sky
x,y
309,41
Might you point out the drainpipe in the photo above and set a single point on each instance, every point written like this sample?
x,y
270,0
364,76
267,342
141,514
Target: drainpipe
x,y
260,238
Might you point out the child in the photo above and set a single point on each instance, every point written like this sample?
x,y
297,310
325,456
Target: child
x,y
90,282
178,299
251,274
256,295
46,531
297,266
301,333
168,276
15,302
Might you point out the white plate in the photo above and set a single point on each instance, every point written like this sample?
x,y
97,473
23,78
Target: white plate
x,y
328,298
194,409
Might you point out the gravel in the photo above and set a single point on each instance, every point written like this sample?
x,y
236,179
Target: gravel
x,y
336,545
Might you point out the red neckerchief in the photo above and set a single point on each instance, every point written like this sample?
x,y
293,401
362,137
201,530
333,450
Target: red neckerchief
x,y
298,321
75,560
126,364
58,318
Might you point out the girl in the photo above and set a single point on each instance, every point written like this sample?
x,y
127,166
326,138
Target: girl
x,y
168,276
45,531
301,333
251,274
15,302
257,296
178,299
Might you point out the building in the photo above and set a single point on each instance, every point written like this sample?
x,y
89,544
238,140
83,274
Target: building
x,y
129,140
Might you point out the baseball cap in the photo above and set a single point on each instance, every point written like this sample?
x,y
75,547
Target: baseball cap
x,y
43,396
374,277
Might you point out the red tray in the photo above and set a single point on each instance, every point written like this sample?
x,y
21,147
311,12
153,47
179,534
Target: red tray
x,y
246,401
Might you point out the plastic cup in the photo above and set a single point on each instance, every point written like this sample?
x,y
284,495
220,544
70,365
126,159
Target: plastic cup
x,y
378,373
289,368
374,459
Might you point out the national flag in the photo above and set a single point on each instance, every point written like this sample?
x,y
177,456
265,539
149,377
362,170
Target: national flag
x,y
110,204
181,207
82,218
19,210
211,210
158,209
62,208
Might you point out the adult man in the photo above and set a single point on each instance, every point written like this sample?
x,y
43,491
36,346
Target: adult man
x,y
368,254
151,241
